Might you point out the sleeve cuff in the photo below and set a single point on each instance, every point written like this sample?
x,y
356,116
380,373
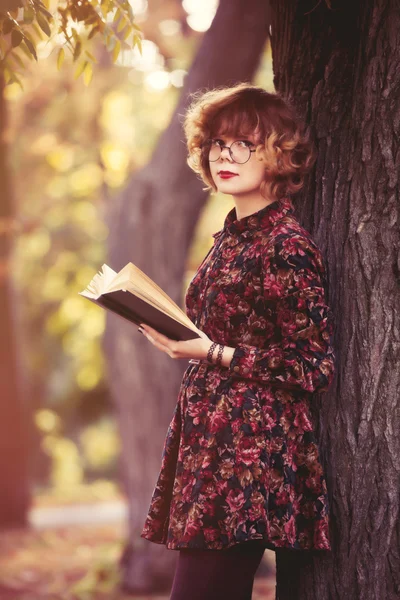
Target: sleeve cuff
x,y
251,361
242,363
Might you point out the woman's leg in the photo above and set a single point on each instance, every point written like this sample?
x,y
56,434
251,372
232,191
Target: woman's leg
x,y
217,574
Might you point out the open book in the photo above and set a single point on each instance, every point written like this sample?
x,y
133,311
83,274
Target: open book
x,y
131,294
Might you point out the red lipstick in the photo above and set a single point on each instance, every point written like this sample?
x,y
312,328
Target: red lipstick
x,y
226,174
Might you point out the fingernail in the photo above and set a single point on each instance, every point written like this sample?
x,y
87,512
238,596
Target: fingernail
x,y
140,329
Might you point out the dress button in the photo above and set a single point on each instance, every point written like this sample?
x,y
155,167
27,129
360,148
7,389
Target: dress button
x,y
246,369
236,368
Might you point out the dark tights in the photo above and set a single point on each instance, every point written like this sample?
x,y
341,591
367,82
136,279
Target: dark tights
x,y
217,574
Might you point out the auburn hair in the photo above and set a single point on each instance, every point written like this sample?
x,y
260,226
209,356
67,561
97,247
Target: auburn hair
x,y
283,142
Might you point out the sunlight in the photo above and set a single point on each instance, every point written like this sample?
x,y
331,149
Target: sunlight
x,y
157,80
200,14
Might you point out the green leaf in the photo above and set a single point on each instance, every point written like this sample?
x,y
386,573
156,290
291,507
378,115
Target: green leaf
x,y
43,24
60,58
16,38
30,47
29,15
88,74
44,10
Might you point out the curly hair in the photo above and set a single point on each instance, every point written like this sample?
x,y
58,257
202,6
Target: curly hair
x,y
283,142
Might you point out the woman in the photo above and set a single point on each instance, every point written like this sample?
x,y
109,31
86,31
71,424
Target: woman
x,y
240,468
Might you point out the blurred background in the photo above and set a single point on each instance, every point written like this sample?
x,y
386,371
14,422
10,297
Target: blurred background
x,y
93,170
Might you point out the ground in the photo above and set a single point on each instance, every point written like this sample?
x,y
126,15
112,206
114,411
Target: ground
x,y
74,562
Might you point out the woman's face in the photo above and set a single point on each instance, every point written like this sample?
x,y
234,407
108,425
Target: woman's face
x,y
248,176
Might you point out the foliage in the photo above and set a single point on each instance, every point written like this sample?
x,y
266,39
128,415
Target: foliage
x,y
69,26
75,146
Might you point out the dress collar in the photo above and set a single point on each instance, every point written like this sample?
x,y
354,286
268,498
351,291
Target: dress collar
x,y
265,218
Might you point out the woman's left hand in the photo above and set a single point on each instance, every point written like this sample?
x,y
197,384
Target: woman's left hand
x,y
196,348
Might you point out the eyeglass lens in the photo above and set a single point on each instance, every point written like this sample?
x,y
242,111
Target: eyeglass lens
x,y
239,151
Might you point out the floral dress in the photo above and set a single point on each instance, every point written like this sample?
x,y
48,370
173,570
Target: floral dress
x,y
240,460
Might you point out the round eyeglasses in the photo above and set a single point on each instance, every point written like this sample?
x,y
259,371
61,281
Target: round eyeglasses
x,y
239,151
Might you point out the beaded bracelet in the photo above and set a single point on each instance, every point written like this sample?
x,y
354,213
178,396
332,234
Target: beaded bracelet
x,y
210,352
219,357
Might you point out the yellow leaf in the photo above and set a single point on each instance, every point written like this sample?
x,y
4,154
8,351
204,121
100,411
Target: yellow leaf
x,y
127,33
81,67
90,55
60,58
121,24
117,16
137,40
116,51
104,9
88,73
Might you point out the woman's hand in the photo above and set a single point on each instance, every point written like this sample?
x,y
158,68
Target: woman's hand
x,y
196,348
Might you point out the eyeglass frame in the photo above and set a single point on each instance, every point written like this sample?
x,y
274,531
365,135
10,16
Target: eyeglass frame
x,y
230,152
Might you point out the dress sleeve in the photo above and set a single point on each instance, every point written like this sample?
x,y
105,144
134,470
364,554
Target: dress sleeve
x,y
301,355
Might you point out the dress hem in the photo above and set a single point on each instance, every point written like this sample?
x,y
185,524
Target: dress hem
x,y
268,546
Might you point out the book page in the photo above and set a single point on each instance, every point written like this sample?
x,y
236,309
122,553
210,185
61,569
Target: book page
x,y
100,282
136,281
108,275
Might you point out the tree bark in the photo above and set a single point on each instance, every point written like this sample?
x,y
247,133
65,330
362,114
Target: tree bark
x,y
14,430
340,67
152,224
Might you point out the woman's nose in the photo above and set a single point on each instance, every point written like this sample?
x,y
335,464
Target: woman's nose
x,y
227,154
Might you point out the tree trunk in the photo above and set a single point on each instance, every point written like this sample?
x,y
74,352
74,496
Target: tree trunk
x,y
152,225
15,494
340,67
